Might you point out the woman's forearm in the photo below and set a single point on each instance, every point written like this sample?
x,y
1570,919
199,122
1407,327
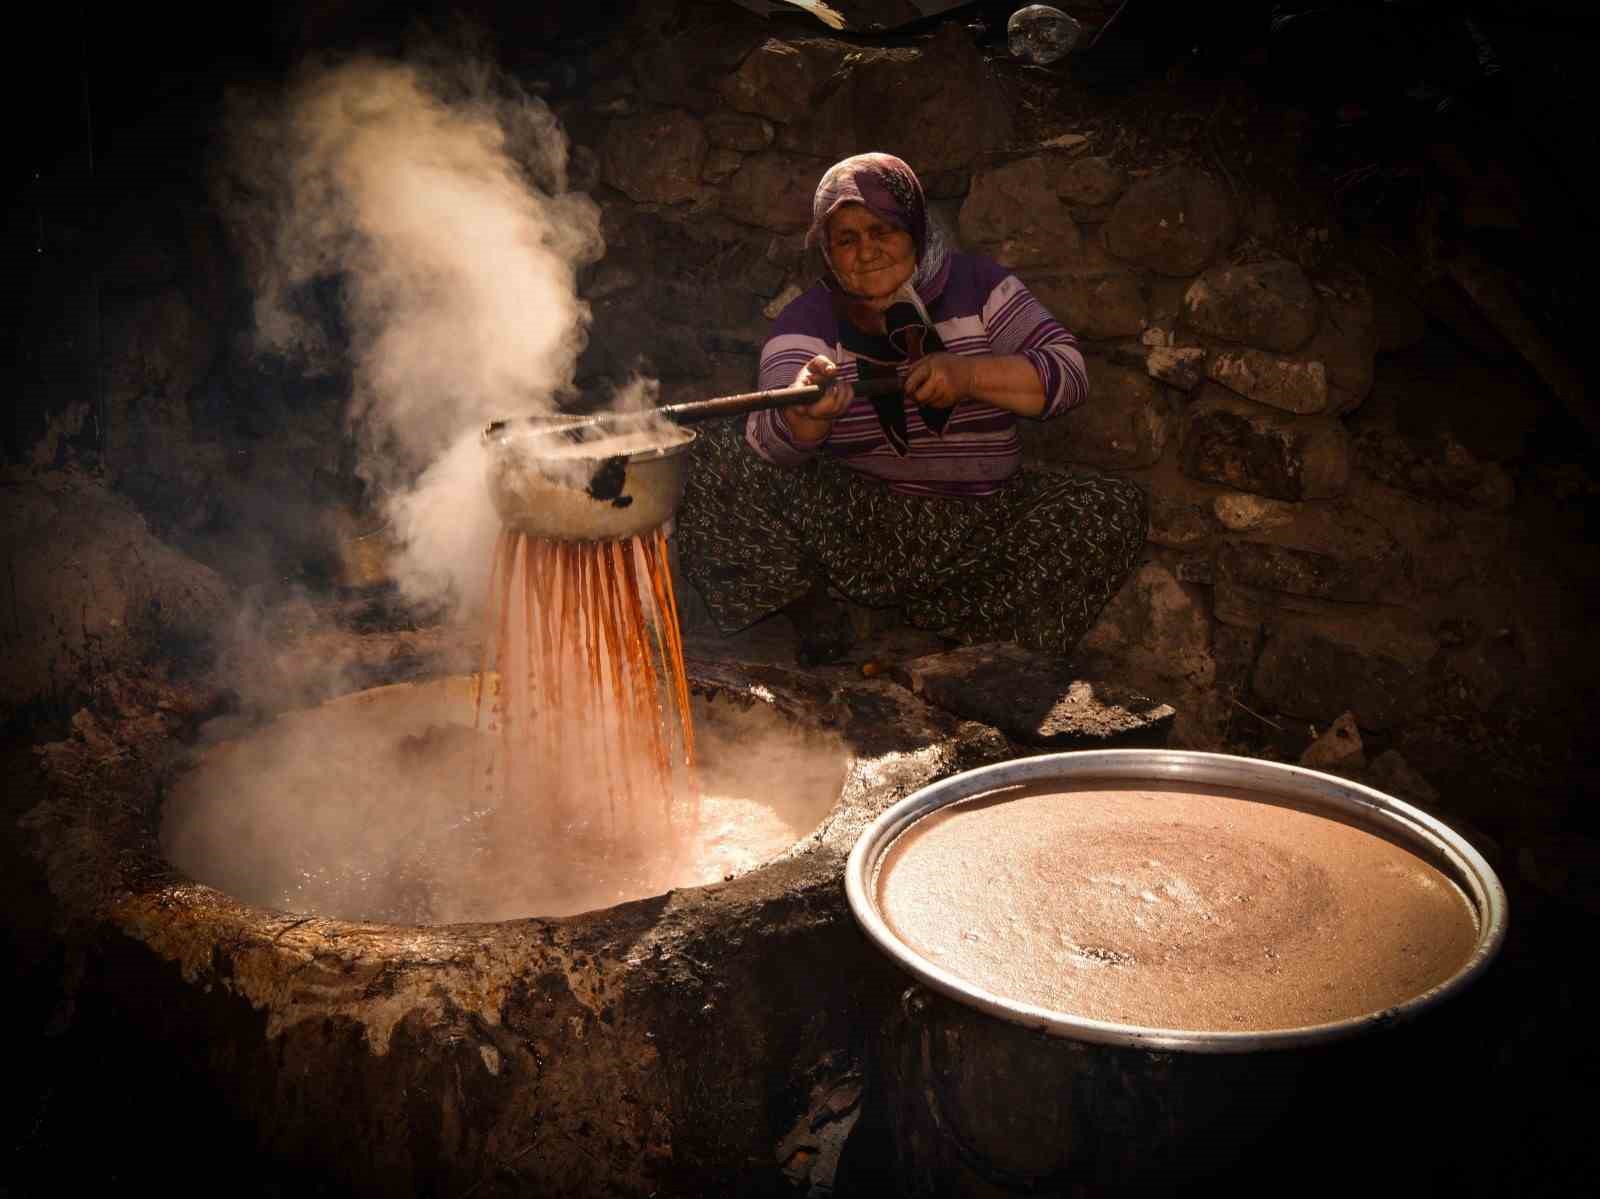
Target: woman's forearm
x,y
1007,381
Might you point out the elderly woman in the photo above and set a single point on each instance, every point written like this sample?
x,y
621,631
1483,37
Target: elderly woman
x,y
917,500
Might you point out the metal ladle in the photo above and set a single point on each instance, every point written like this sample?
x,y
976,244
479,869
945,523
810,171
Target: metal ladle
x,y
612,475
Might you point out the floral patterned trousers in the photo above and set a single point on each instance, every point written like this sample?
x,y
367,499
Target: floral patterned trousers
x,y
1033,563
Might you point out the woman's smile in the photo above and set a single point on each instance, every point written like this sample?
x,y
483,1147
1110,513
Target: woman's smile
x,y
870,256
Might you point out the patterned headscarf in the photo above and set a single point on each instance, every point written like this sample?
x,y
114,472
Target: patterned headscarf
x,y
890,190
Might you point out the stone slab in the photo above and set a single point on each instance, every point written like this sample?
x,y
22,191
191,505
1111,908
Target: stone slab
x,y
1035,699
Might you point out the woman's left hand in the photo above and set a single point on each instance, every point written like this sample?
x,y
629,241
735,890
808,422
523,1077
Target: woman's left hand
x,y
939,380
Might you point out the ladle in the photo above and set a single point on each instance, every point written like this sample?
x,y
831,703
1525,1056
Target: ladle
x,y
611,476
692,412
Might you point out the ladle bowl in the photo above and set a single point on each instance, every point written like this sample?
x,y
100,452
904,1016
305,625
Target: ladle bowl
x,y
561,482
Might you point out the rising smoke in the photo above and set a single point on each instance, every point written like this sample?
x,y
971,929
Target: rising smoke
x,y
433,195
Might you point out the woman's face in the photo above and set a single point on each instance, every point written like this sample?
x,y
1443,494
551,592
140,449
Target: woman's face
x,y
870,257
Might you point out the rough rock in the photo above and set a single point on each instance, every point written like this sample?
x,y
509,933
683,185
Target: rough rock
x,y
684,67
1248,447
1339,748
1174,223
1234,649
1439,467
773,191
91,590
1346,342
1398,320
655,157
1097,305
741,131
1089,182
1177,524
934,104
1297,571
1155,628
720,163
1317,670
1270,305
157,348
1014,213
937,106
1125,422
1390,772
1565,867
776,80
1035,699
1242,513
1182,367
1291,384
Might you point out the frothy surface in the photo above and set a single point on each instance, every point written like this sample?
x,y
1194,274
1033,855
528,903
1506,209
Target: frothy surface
x,y
369,808
1173,907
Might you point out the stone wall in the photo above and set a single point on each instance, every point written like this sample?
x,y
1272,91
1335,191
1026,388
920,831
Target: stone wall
x,y
1307,558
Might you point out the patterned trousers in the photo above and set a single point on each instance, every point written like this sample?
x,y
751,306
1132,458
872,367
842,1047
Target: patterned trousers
x,y
1033,563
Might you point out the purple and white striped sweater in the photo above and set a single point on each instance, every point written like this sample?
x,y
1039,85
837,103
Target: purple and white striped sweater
x,y
984,309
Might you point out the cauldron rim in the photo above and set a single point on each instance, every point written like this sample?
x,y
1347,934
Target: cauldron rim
x,y
1412,826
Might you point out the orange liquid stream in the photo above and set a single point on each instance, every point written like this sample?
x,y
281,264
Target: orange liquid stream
x,y
584,683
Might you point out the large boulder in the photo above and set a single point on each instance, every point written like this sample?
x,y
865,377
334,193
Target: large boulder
x,y
1317,669
1174,223
1346,341
91,589
1292,384
1015,213
1155,630
1270,305
936,106
731,130
772,191
1125,422
1096,304
934,103
776,80
1035,699
1182,367
685,69
655,157
1249,447
1303,572
1437,467
1089,183
157,347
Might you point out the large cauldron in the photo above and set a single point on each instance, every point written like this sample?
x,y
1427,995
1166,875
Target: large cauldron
x,y
984,1095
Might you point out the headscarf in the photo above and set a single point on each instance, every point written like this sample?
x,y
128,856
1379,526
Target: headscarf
x,y
891,191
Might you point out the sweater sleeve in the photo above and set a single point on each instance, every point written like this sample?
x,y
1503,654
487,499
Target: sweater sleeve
x,y
795,341
1018,324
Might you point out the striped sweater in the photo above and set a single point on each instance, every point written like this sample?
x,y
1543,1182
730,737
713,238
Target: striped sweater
x,y
983,309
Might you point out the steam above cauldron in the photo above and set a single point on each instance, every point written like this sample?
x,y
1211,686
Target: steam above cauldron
x,y
430,197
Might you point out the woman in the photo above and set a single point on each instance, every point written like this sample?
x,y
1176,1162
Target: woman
x,y
916,500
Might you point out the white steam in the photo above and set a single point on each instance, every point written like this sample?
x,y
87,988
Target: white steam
x,y
435,200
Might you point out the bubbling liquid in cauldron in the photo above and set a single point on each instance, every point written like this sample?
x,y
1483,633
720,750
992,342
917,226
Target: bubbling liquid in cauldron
x,y
363,809
1165,906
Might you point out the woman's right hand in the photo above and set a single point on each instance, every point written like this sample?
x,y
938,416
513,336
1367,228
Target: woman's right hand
x,y
811,422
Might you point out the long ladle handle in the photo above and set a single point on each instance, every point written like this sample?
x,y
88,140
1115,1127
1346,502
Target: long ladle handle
x,y
693,411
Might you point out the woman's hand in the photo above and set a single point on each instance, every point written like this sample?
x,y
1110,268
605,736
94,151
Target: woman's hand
x,y
1006,381
811,422
939,380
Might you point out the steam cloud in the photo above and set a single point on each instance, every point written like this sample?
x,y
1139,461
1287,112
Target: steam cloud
x,y
436,196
